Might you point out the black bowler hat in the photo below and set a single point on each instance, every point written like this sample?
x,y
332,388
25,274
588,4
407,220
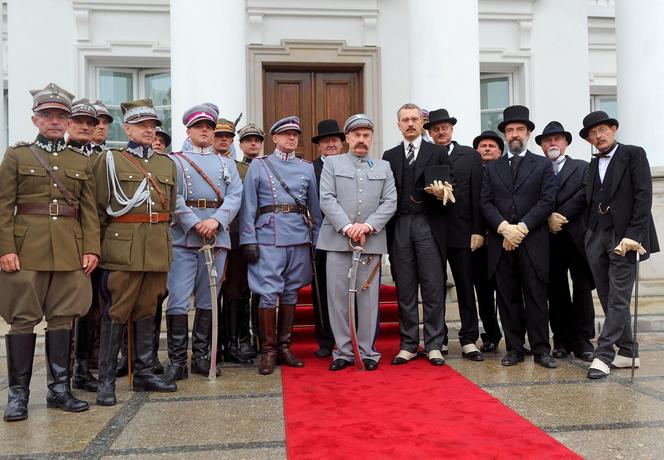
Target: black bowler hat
x,y
596,118
165,135
516,114
489,135
554,127
327,128
439,116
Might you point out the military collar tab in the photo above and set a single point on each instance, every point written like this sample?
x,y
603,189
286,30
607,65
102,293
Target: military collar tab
x,y
84,149
139,151
284,156
202,150
49,145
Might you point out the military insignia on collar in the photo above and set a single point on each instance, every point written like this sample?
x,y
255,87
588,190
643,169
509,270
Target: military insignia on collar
x,y
22,144
85,150
49,145
139,151
284,156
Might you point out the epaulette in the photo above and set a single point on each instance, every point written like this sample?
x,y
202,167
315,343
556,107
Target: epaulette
x,y
22,144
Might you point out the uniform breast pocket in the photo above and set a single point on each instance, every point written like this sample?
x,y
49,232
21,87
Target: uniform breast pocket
x,y
375,181
74,179
130,182
31,179
165,184
116,247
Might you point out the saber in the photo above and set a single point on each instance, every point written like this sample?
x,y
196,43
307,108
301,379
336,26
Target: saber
x,y
636,314
207,250
352,277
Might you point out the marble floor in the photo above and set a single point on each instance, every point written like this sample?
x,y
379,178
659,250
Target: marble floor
x,y
240,416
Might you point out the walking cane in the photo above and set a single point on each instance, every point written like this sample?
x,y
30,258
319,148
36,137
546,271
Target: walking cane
x,y
130,357
636,315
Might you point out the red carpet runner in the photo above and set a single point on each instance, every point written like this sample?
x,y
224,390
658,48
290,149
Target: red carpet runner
x,y
413,411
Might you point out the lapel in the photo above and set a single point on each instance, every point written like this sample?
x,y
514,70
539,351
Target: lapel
x,y
504,171
566,172
423,157
592,174
620,163
397,160
527,165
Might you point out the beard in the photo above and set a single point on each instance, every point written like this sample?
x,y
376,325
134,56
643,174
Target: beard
x,y
516,146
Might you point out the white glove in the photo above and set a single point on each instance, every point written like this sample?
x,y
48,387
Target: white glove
x,y
442,191
476,242
626,245
507,246
556,222
512,233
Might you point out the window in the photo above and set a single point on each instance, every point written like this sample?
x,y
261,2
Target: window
x,y
116,85
495,95
607,102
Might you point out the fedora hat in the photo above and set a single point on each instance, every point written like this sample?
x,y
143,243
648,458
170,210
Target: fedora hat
x,y
327,128
439,116
593,119
494,136
516,114
554,127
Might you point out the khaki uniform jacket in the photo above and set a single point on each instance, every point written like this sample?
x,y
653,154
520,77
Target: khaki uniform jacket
x,y
45,243
135,247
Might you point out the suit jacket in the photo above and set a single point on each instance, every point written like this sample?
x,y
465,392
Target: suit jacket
x,y
571,199
318,169
429,155
351,192
465,217
530,200
630,199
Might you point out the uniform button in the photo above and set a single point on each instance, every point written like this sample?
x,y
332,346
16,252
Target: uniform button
x,y
153,203
55,154
360,190
360,201
188,177
359,213
55,168
131,177
151,188
55,185
149,174
274,189
32,171
54,200
146,160
54,218
76,174
360,178
116,234
274,195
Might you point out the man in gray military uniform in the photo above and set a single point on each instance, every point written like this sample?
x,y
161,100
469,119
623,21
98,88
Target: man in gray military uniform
x,y
358,198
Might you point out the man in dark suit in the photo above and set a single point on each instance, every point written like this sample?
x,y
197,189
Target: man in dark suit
x,y
464,225
329,142
490,146
518,195
619,201
416,238
572,316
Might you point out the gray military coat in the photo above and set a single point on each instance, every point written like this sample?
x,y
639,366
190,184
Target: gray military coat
x,y
353,190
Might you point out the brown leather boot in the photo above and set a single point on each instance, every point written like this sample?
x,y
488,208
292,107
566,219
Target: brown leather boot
x,y
284,332
267,318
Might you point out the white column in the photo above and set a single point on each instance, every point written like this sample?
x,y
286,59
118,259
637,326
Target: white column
x,y
640,67
444,61
560,69
208,58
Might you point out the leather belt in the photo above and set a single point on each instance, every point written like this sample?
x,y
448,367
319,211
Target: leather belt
x,y
283,207
142,218
203,203
47,209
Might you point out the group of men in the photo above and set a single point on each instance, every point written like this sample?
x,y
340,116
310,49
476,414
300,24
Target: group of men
x,y
144,225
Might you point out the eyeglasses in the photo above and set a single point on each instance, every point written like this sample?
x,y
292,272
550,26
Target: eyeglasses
x,y
592,134
53,116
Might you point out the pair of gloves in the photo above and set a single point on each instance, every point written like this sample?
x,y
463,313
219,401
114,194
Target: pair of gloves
x,y
513,234
443,191
556,222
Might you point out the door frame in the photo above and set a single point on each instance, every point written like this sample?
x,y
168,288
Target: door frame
x,y
316,54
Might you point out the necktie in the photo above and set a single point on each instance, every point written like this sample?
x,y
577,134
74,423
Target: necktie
x,y
516,159
556,173
411,154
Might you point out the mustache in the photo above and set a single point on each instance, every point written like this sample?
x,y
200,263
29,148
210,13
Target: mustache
x,y
361,145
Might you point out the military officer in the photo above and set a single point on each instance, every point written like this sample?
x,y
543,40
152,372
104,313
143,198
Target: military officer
x,y
100,134
358,197
235,289
135,200
224,133
49,245
208,198
162,140
279,222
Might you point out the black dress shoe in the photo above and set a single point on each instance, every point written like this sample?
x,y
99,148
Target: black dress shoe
x,y
488,347
527,351
437,361
370,364
324,353
511,358
473,356
546,360
586,356
559,352
338,364
596,374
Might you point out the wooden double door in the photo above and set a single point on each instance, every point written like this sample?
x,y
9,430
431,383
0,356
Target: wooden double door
x,y
313,94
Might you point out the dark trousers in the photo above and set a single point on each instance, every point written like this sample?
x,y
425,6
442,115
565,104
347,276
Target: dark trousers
x,y
323,330
614,279
572,316
417,262
235,285
521,291
460,261
485,289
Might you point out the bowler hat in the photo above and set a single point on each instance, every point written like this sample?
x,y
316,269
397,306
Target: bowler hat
x,y
494,136
593,119
165,135
554,127
328,128
516,114
439,116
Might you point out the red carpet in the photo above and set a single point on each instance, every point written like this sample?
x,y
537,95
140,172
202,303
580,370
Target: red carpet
x,y
414,411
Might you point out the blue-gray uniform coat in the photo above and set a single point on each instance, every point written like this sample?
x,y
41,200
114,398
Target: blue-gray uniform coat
x,y
188,271
354,190
284,264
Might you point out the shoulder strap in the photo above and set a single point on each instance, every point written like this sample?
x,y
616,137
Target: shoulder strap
x,y
65,193
148,175
203,175
281,181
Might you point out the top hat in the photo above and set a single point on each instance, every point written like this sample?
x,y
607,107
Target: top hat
x,y
439,116
489,135
554,127
327,128
596,118
516,114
